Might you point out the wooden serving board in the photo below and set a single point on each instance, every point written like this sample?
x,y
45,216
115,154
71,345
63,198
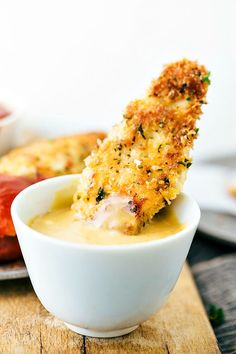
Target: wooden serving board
x,y
180,327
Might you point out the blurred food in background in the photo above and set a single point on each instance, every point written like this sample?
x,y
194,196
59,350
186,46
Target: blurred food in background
x,y
232,190
24,166
8,126
4,112
213,184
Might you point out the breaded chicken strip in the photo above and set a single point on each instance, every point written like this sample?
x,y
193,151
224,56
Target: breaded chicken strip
x,y
49,158
141,166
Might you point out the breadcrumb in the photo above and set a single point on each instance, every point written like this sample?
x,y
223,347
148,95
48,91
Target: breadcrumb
x,y
141,166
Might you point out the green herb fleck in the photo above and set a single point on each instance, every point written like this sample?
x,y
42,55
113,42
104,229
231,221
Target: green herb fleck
x,y
166,181
140,130
132,206
188,99
101,195
159,148
186,163
206,78
166,201
183,88
216,315
196,130
161,124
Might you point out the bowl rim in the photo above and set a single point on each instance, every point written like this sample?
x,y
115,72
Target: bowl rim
x,y
191,226
10,118
15,111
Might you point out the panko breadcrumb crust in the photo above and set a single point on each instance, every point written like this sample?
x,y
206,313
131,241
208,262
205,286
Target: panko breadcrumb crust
x,y
145,158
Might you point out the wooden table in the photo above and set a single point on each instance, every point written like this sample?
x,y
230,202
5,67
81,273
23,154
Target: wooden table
x,y
180,327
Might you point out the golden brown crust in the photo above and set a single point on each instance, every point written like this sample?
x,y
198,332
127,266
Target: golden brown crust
x,y
145,158
181,80
49,158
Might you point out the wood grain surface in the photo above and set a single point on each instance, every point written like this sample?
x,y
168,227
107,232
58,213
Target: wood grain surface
x,y
180,327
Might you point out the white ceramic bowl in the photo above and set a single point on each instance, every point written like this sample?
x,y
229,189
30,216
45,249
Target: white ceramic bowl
x,y
100,291
8,127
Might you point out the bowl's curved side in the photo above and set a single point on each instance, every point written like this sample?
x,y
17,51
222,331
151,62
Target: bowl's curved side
x,y
101,288
7,135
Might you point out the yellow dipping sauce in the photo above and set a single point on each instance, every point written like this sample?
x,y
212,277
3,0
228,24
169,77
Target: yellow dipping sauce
x,y
60,223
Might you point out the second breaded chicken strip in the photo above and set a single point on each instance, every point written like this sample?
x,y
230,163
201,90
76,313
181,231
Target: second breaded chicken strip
x,y
141,166
49,158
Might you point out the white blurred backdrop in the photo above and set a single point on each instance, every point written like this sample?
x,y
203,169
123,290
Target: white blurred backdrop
x,y
76,64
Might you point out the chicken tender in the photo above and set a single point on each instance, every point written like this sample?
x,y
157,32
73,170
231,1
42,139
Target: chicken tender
x,y
141,166
49,158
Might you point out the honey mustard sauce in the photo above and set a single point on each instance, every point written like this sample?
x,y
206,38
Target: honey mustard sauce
x,y
60,222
